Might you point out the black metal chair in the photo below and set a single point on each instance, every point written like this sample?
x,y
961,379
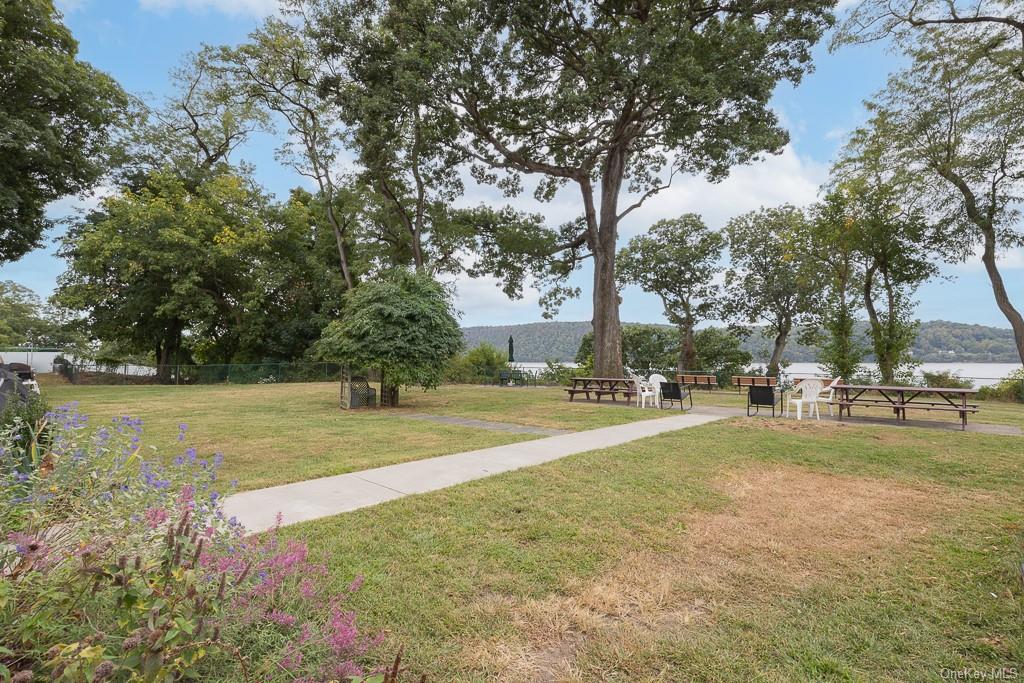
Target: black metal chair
x,y
672,392
762,397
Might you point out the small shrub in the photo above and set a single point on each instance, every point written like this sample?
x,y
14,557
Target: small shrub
x,y
26,422
1010,388
117,567
481,364
946,379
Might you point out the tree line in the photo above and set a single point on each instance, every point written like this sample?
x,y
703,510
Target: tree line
x,y
387,109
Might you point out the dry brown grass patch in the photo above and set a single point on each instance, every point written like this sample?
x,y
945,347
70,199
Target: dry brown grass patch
x,y
786,529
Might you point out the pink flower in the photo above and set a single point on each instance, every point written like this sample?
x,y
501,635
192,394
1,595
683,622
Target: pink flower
x,y
155,517
356,584
342,635
187,495
292,658
281,618
31,548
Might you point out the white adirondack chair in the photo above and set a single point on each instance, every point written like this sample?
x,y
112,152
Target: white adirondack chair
x,y
810,393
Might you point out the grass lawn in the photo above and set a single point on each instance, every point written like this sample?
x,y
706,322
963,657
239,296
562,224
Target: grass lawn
x,y
746,549
278,433
741,550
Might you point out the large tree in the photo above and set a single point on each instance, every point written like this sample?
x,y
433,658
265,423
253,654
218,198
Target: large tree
x,y
55,118
954,122
773,277
279,70
833,247
601,95
169,269
893,241
678,259
992,29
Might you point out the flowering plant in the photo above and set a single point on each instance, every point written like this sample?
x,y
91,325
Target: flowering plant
x,y
115,565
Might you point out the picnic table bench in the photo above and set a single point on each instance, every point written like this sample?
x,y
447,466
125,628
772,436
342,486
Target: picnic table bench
x,y
601,386
698,380
899,399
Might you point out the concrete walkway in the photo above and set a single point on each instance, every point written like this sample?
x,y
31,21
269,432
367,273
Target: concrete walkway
x,y
877,420
306,500
486,424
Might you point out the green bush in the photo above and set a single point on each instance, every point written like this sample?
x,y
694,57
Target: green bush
x,y
945,378
1011,388
25,420
481,364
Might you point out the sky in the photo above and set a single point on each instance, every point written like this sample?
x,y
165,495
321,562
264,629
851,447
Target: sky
x,y
138,42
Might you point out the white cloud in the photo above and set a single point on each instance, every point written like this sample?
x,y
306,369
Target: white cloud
x,y
837,133
257,8
73,205
1010,259
784,178
483,303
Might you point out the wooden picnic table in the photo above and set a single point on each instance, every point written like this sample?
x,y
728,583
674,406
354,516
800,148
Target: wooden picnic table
x,y
900,398
601,386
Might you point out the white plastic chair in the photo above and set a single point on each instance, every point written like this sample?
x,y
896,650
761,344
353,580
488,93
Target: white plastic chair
x,y
810,393
643,390
831,393
655,382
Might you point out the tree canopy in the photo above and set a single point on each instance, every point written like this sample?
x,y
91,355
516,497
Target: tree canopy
x,y
771,278
678,259
211,273
55,118
606,97
953,122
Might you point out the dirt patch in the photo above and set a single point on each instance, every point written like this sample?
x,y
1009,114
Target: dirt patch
x,y
786,529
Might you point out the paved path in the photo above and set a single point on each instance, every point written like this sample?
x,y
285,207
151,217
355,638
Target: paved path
x,y
879,420
306,500
486,424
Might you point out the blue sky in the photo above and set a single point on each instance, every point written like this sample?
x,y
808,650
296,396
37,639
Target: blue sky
x,y
140,41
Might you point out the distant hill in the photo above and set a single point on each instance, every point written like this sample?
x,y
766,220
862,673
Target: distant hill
x,y
937,341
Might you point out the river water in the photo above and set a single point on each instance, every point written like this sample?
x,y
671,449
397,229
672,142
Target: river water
x,y
982,374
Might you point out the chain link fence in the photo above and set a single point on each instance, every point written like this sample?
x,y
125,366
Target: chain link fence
x,y
228,373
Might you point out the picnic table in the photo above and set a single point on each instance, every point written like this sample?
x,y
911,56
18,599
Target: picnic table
x,y
601,386
899,399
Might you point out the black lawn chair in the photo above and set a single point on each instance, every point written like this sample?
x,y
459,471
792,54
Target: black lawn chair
x,y
672,392
762,397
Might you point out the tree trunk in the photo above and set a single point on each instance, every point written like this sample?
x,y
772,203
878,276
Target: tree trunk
x,y
878,336
388,393
339,239
988,257
780,345
687,347
607,327
166,350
